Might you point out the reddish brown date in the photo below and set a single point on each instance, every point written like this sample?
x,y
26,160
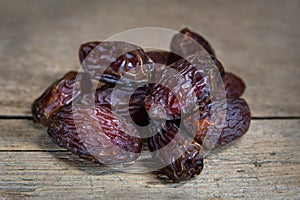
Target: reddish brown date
x,y
181,157
160,56
163,57
86,48
62,92
182,89
127,102
220,123
234,85
187,43
167,58
219,65
111,60
95,133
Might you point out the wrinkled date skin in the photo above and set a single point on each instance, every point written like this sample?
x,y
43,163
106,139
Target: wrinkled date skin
x,y
170,147
111,60
234,85
167,58
95,133
62,92
181,89
220,123
62,131
188,42
126,102
86,48
160,56
163,57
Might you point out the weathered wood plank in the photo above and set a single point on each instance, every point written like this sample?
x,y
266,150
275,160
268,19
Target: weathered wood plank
x,y
263,164
257,40
24,135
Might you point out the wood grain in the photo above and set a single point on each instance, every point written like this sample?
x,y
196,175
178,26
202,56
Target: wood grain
x,y
262,164
257,40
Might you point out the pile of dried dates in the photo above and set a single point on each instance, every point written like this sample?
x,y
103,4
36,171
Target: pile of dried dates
x,y
180,103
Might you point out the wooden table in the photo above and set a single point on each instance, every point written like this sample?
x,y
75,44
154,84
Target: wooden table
x,y
259,40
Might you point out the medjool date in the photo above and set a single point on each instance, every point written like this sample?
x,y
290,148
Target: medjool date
x,y
220,122
86,48
95,133
180,156
127,101
111,60
62,92
182,87
234,85
187,42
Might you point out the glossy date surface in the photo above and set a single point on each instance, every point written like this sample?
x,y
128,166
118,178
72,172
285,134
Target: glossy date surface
x,y
181,157
110,61
62,92
95,133
220,122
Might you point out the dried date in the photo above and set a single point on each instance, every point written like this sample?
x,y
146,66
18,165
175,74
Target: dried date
x,y
95,133
160,57
62,92
167,58
163,57
187,43
220,122
86,48
234,85
183,89
111,60
182,158
127,101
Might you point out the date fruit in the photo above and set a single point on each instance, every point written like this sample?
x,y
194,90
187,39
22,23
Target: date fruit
x,y
187,43
127,101
234,85
181,89
62,92
167,58
112,60
95,133
220,122
86,48
171,147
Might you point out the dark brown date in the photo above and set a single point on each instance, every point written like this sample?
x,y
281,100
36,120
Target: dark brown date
x,y
127,101
170,147
111,60
167,58
187,43
234,85
160,56
220,123
163,57
95,133
62,92
86,48
182,89
219,65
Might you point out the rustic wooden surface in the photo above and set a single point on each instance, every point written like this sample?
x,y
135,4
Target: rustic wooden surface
x,y
258,40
